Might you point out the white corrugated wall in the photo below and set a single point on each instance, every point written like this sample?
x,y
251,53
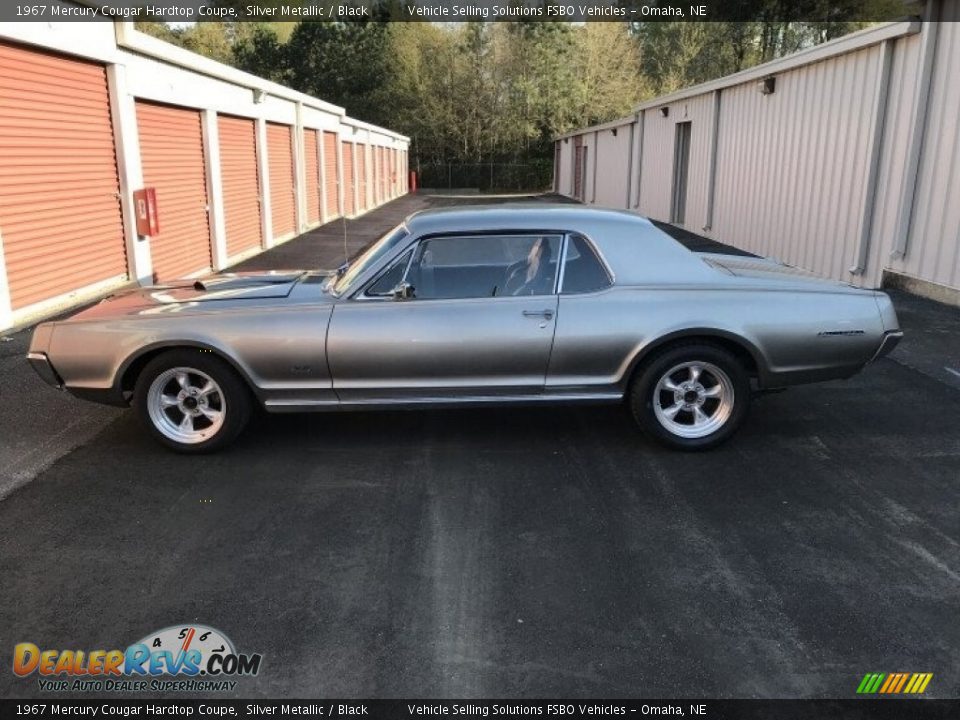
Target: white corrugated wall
x,y
612,158
933,246
793,166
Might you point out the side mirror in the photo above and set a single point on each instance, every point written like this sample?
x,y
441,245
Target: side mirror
x,y
404,291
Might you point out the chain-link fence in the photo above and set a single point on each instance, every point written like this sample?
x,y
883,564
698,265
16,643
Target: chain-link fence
x,y
486,177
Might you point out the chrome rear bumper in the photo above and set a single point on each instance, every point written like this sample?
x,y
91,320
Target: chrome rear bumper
x,y
891,339
41,363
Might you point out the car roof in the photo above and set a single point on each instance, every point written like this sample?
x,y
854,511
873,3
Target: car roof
x,y
514,216
635,250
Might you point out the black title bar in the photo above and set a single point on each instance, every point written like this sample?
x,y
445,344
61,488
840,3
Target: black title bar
x,y
460,10
875,709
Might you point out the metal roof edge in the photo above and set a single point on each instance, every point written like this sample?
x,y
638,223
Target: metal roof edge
x,y
129,38
824,51
609,125
833,48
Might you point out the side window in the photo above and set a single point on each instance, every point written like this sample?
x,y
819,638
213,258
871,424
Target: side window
x,y
485,266
582,271
383,286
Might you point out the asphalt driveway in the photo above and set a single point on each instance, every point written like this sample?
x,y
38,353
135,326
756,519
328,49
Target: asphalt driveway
x,y
525,553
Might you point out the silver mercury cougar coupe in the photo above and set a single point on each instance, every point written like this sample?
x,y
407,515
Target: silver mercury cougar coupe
x,y
473,306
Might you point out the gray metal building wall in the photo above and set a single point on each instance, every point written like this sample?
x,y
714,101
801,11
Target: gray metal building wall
x,y
819,172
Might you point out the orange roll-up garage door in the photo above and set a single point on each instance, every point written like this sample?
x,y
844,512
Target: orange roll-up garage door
x,y
375,174
330,177
311,163
393,172
362,176
241,183
348,185
171,152
59,192
382,152
283,205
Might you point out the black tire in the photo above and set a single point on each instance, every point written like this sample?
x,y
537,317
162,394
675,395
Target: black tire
x,y
644,391
232,398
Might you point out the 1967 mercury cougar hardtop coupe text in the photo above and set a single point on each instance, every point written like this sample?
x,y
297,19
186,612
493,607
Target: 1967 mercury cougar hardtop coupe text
x,y
469,306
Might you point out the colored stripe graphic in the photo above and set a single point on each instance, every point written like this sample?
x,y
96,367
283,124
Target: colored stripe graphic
x,y
894,683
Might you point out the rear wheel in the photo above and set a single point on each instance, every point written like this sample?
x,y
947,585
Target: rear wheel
x,y
691,396
192,401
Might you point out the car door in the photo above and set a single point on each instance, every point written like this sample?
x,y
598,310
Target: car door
x,y
476,322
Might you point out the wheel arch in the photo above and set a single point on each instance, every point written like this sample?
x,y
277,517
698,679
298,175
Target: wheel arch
x,y
130,369
744,350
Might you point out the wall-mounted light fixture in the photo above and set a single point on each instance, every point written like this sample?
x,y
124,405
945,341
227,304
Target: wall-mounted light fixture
x,y
566,140
614,131
665,111
259,96
768,86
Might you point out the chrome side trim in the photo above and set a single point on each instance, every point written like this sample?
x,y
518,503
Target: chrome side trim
x,y
437,402
41,364
891,339
562,264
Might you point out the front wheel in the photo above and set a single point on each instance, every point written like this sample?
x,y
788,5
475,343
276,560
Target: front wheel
x,y
691,397
192,401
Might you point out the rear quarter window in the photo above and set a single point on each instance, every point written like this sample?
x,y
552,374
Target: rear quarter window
x,y
582,270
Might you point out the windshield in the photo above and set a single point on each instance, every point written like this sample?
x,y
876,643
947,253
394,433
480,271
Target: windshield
x,y
368,259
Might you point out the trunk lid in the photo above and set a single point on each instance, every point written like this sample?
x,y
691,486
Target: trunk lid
x,y
758,268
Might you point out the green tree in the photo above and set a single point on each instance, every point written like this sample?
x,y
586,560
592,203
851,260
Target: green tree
x,y
342,62
211,39
259,50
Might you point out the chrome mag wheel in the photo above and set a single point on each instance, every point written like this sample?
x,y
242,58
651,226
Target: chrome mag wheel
x,y
693,399
186,405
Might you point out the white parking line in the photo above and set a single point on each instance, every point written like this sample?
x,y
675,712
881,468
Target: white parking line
x,y
951,370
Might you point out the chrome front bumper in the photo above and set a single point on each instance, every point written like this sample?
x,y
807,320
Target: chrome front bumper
x,y
41,363
891,339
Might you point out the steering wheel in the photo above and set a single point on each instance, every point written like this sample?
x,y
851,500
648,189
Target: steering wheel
x,y
515,278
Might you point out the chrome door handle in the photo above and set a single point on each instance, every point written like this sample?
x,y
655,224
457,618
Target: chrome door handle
x,y
538,313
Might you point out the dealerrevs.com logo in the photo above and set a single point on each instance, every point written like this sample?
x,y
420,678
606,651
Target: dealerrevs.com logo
x,y
185,657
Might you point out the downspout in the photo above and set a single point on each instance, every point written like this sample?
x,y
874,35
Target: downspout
x,y
921,103
596,143
633,129
712,171
640,123
875,145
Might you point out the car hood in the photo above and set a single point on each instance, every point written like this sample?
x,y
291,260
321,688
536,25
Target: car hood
x,y
224,289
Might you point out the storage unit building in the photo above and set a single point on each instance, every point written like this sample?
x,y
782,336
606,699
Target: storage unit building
x,y
93,113
838,159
